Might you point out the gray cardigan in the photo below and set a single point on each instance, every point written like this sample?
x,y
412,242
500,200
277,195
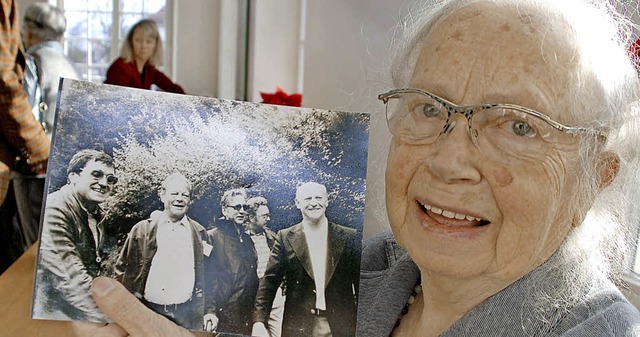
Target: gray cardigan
x,y
388,276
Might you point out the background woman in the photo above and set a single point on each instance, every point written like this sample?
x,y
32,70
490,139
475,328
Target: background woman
x,y
136,66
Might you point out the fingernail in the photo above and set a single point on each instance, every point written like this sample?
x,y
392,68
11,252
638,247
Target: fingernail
x,y
101,286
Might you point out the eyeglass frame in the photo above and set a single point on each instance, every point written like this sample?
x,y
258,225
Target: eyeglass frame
x,y
468,111
99,174
239,207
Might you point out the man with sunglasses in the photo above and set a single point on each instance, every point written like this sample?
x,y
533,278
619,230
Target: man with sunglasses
x,y
232,275
72,235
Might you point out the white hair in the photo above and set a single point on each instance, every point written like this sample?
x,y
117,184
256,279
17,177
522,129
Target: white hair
x,y
46,22
603,93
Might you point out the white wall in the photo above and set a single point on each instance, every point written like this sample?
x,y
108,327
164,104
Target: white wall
x,y
195,66
273,57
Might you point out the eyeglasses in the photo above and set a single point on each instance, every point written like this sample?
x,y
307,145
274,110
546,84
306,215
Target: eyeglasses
x,y
239,207
97,175
420,117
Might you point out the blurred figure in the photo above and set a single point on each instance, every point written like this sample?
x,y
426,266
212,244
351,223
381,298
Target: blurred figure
x,y
136,66
43,28
23,144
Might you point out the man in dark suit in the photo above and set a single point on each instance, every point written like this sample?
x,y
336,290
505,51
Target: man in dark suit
x,y
319,262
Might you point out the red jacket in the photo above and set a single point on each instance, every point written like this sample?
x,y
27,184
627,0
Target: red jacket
x,y
126,74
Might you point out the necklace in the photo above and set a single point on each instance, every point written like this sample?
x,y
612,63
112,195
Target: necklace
x,y
416,290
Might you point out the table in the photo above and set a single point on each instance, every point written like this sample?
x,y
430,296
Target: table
x,y
16,287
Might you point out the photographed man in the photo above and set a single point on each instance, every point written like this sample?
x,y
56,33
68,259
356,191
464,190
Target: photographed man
x,y
263,239
319,262
161,262
231,275
72,234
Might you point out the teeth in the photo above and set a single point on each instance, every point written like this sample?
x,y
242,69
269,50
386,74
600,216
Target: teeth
x,y
449,214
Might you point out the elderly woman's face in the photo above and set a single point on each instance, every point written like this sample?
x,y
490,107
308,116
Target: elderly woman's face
x,y
466,210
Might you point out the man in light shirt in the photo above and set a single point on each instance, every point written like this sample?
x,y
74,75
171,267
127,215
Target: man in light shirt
x,y
162,258
319,261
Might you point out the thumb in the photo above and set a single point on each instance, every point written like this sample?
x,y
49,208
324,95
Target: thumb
x,y
127,311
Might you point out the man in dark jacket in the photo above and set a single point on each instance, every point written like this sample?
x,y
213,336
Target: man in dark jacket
x,y
162,259
70,245
231,276
319,261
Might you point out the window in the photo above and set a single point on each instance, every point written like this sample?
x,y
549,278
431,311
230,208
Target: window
x,y
93,41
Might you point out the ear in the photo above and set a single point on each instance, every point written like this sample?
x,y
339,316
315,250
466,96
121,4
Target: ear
x,y
608,168
72,178
161,194
224,212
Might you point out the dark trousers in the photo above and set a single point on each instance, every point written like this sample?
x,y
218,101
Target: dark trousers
x,y
184,314
29,193
11,242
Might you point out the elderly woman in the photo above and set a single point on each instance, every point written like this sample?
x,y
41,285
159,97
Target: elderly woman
x,y
510,178
43,28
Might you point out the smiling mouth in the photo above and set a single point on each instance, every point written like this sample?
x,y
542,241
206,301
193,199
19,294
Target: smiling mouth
x,y
450,218
99,190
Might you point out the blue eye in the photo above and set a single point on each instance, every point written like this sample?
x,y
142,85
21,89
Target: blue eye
x,y
430,110
522,128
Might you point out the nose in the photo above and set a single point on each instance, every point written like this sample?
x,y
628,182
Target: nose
x,y
453,159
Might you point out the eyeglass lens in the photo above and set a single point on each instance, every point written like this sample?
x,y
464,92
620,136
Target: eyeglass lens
x,y
111,179
239,207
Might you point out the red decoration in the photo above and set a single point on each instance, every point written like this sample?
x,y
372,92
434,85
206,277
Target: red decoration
x,y
634,53
280,97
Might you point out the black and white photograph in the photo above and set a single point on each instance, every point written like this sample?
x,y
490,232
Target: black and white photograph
x,y
217,214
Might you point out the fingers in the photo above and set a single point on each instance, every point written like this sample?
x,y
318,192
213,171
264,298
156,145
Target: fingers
x,y
210,322
82,329
127,311
259,329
